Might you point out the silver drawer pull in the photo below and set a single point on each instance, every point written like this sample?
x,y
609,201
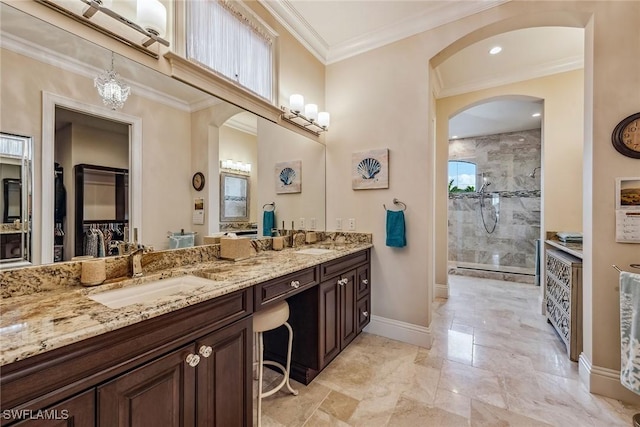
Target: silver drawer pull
x,y
205,350
295,284
365,313
343,282
193,360
365,281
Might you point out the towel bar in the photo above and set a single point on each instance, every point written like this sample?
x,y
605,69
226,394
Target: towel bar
x,y
272,204
396,202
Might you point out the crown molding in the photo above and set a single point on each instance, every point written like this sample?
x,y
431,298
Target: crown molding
x,y
447,12
298,27
67,63
498,79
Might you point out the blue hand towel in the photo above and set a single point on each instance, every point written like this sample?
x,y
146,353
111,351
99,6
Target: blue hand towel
x,y
268,222
395,229
630,330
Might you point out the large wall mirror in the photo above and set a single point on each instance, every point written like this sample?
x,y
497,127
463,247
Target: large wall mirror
x,y
166,132
15,200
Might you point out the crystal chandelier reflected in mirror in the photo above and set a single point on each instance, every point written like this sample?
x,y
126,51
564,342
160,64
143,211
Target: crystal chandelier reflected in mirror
x,y
113,91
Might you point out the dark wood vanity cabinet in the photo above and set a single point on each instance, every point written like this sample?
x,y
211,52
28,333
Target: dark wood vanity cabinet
x,y
189,367
77,411
324,318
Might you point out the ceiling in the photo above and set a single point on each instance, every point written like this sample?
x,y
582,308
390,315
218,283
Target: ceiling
x,y
336,30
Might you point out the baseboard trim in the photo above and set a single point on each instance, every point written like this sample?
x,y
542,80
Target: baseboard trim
x,y
400,331
604,381
442,291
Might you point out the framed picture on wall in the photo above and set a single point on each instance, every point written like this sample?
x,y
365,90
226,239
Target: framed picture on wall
x,y
628,193
288,177
370,169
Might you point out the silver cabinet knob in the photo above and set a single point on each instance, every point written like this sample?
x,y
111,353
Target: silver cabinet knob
x,y
365,281
343,282
193,360
365,313
205,350
295,284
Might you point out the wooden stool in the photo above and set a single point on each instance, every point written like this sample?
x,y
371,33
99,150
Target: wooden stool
x,y
266,320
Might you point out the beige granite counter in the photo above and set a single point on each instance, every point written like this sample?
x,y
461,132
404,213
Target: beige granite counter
x,y
38,322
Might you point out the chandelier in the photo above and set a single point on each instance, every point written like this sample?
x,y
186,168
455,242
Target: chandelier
x,y
113,91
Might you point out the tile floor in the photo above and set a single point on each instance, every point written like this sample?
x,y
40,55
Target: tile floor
x,y
494,362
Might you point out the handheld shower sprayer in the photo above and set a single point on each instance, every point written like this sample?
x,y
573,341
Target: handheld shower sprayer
x,y
485,184
533,174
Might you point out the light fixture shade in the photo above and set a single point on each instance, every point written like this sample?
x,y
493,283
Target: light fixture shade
x,y
311,111
324,119
296,102
152,16
105,3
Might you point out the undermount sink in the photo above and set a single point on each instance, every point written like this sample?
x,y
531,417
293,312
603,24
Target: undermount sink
x,y
119,298
314,251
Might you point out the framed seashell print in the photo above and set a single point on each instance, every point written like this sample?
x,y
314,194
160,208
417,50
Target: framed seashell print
x,y
370,169
288,177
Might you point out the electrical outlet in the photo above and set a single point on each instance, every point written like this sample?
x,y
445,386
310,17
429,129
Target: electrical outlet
x,y
352,224
313,224
338,223
301,223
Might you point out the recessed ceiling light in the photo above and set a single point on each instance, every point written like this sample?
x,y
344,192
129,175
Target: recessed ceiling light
x,y
535,115
495,50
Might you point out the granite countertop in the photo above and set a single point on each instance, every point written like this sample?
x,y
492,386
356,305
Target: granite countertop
x,y
572,248
36,323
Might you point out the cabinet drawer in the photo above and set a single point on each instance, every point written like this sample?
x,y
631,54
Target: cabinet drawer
x,y
363,281
340,265
363,312
282,287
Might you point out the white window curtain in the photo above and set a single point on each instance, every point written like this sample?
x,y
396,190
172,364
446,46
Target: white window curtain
x,y
227,41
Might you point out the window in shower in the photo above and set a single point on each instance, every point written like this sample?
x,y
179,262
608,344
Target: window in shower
x,y
462,176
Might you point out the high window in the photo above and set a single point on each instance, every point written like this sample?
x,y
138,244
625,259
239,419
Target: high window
x,y
228,39
462,176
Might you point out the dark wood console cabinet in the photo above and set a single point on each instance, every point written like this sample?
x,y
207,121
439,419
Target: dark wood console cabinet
x,y
140,375
325,318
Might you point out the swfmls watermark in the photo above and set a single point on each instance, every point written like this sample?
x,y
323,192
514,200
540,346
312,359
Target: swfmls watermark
x,y
29,414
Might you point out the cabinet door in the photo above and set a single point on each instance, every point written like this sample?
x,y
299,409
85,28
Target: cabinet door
x,y
348,325
224,376
78,411
364,312
160,393
329,314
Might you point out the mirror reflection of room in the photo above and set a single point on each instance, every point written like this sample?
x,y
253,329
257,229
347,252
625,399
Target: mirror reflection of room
x,y
15,169
91,185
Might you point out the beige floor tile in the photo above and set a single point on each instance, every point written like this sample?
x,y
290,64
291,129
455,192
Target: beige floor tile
x,y
293,411
322,419
503,363
339,406
453,402
484,415
472,382
409,413
375,411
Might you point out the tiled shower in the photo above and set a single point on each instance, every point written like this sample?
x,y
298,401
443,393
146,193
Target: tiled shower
x,y
509,165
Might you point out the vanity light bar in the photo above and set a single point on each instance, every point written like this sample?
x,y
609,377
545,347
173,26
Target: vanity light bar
x,y
290,116
96,6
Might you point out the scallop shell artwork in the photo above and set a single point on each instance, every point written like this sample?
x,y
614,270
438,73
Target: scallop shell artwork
x,y
368,168
287,176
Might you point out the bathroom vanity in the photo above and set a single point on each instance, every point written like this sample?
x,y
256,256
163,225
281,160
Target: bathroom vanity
x,y
184,360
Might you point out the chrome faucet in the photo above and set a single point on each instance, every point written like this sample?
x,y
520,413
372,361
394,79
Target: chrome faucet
x,y
135,262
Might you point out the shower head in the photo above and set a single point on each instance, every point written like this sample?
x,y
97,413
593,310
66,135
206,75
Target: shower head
x,y
533,174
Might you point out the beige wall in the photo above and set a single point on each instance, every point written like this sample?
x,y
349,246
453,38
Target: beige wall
x,y
242,147
382,98
276,144
562,142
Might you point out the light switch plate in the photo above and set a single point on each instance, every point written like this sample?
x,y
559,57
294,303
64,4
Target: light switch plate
x,y
313,224
338,223
352,224
301,223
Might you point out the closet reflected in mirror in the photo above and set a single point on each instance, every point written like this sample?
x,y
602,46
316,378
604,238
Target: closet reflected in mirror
x,y
91,207
15,200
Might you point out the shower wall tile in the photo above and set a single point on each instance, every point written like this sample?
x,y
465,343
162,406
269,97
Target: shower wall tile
x,y
507,163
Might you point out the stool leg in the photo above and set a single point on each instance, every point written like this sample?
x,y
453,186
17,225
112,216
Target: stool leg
x,y
294,392
255,356
260,368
